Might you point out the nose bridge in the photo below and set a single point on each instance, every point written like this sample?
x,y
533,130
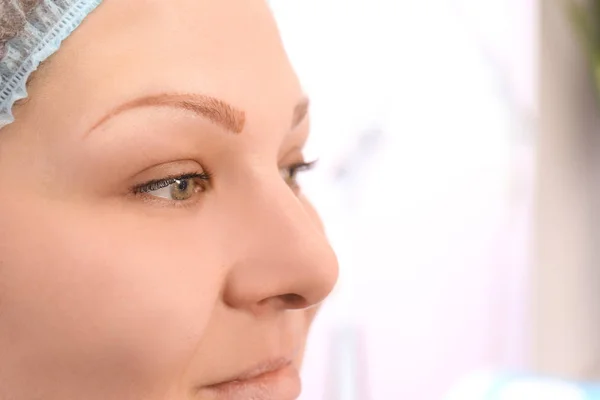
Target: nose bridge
x,y
283,256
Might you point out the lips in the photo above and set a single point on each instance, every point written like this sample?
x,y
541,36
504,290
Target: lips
x,y
273,380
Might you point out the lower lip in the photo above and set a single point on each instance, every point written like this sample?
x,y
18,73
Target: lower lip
x,y
282,384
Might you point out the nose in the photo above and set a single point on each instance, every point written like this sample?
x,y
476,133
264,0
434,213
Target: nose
x,y
282,258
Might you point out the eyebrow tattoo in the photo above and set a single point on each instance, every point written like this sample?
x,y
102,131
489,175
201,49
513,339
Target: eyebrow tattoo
x,y
215,110
300,112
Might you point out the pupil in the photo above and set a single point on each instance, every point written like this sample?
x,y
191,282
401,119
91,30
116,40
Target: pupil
x,y
182,185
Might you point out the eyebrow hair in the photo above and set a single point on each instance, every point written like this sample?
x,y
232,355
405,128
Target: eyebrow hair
x,y
209,107
217,111
300,112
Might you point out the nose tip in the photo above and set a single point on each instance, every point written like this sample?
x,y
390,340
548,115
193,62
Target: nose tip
x,y
316,278
287,272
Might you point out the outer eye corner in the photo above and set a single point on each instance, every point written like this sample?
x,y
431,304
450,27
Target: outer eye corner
x,y
290,173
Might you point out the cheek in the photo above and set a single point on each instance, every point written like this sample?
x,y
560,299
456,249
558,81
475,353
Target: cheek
x,y
81,299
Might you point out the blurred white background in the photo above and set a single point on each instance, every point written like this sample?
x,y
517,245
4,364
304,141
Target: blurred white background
x,y
422,115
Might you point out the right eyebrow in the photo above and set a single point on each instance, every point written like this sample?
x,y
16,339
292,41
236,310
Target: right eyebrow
x,y
217,111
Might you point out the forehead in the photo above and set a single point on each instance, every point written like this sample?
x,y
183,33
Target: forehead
x,y
228,49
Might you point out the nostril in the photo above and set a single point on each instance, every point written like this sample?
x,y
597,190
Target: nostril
x,y
293,301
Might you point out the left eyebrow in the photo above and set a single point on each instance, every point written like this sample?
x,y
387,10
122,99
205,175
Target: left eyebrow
x,y
300,112
215,110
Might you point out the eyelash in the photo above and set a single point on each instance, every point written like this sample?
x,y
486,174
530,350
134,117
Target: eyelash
x,y
164,182
303,166
206,176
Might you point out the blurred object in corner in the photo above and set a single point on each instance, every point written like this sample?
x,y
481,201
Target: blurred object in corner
x,y
497,386
585,17
348,371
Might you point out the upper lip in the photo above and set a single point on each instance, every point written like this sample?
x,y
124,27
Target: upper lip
x,y
258,370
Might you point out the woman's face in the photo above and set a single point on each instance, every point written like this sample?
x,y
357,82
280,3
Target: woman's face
x,y
153,240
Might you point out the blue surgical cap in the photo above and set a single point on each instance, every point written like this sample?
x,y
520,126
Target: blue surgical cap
x,y
35,30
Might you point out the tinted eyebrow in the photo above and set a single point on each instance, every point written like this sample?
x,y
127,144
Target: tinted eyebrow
x,y
217,111
300,112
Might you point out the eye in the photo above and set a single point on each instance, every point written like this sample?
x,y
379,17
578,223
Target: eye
x,y
179,188
290,173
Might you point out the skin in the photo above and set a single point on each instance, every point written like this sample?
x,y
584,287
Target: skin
x,y
110,294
